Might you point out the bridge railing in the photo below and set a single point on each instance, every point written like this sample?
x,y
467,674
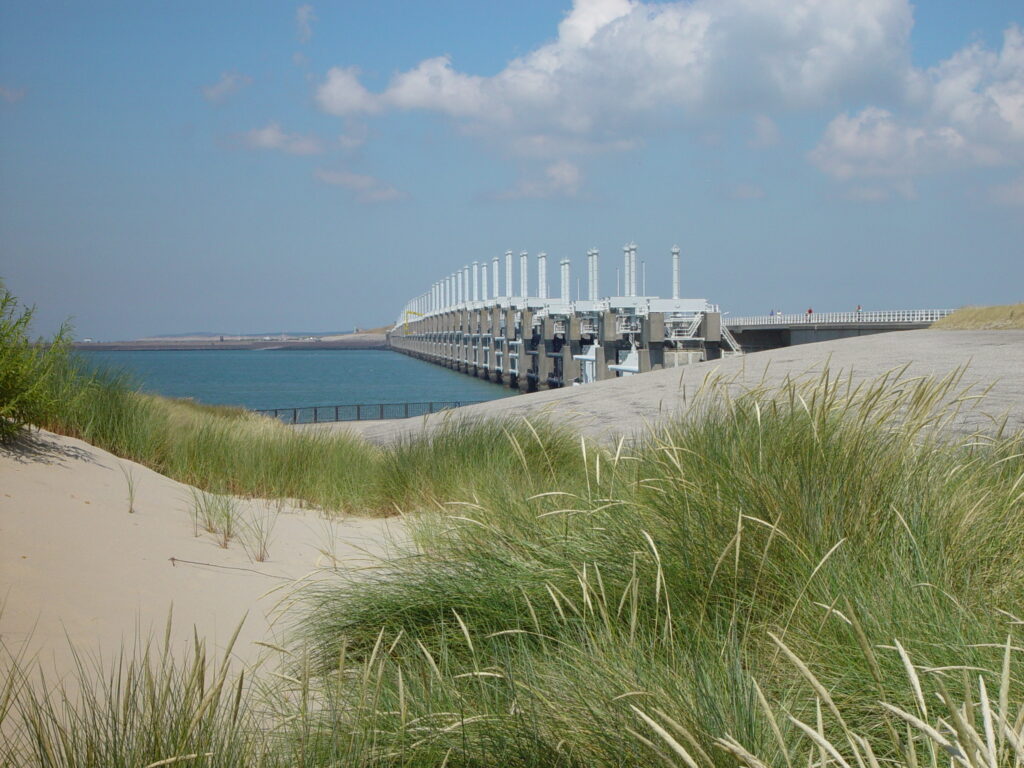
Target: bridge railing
x,y
909,316
316,414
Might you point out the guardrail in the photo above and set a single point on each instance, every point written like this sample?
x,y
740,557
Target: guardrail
x,y
909,316
317,414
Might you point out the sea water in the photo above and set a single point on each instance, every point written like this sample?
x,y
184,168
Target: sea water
x,y
264,379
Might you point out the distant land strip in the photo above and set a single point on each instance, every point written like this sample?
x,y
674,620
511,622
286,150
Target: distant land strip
x,y
355,341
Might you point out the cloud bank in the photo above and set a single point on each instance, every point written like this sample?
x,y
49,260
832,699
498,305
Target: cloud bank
x,y
966,112
273,137
615,61
620,69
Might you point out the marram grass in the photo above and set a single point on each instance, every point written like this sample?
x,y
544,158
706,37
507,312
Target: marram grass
x,y
230,451
1000,317
787,577
148,707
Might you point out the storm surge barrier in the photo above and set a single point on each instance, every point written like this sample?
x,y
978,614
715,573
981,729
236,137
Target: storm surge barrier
x,y
480,321
317,414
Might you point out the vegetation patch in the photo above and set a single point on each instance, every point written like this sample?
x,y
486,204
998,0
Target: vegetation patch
x,y
997,318
29,387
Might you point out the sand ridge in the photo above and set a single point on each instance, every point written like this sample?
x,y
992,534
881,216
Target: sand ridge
x,y
76,565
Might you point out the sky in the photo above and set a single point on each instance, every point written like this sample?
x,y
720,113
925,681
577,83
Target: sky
x,y
257,166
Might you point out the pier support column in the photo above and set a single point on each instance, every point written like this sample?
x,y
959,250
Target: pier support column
x,y
497,347
609,344
545,364
572,346
509,348
653,341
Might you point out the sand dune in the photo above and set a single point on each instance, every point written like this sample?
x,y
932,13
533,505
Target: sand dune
x,y
75,565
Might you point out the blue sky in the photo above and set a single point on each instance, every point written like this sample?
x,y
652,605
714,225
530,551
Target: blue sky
x,y
256,166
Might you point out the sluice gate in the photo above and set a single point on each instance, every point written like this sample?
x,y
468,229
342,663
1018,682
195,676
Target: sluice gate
x,y
532,342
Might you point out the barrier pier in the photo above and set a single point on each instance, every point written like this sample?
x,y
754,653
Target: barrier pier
x,y
534,342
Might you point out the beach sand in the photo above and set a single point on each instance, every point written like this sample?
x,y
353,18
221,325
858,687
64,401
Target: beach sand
x,y
76,566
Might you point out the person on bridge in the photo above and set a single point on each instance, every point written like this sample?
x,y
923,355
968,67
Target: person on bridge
x,y
810,311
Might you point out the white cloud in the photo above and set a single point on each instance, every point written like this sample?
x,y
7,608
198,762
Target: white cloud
x,y
343,94
560,179
229,84
272,137
619,71
11,95
966,112
876,144
304,18
367,189
617,67
433,84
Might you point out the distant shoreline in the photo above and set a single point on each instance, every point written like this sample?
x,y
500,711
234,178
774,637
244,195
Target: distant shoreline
x,y
360,341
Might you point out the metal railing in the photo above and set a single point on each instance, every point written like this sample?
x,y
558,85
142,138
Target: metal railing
x,y
316,414
909,316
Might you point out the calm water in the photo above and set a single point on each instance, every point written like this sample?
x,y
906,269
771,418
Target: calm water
x,y
293,378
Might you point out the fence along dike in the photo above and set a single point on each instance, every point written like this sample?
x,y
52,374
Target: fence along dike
x,y
315,414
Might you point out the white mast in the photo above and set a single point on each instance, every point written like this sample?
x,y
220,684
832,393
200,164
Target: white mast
x,y
542,275
675,271
508,274
592,274
632,269
626,253
524,277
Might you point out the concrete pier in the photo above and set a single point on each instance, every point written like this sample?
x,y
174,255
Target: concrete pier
x,y
536,342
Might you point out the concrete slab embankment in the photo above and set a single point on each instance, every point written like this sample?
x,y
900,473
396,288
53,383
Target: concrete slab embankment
x,y
625,406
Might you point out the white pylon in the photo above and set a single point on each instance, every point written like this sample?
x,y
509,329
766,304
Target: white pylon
x,y
592,274
508,274
626,254
675,271
632,270
542,275
524,274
